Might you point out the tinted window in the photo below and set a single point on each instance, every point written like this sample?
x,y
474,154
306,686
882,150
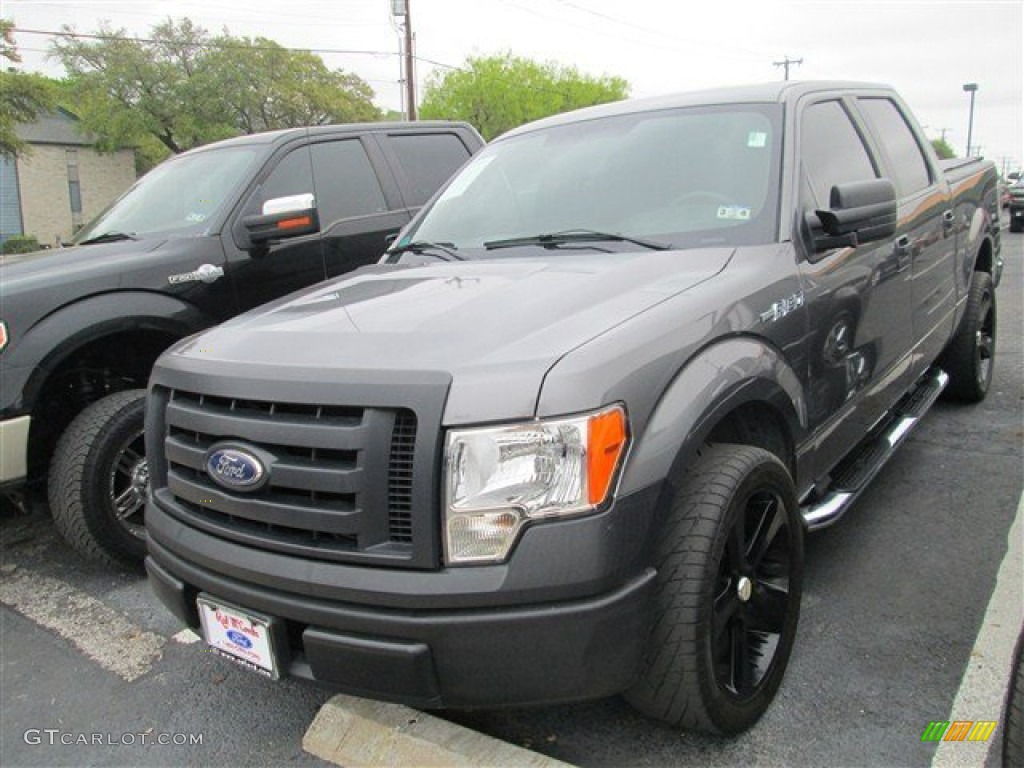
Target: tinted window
x,y
428,161
291,176
832,150
909,165
346,184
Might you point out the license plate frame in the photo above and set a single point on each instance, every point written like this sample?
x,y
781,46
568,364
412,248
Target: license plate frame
x,y
243,636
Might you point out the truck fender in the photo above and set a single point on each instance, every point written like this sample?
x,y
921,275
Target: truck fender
x,y
717,380
62,332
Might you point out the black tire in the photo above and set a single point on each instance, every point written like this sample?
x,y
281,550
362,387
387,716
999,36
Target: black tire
x,y
722,680
1013,718
969,359
98,479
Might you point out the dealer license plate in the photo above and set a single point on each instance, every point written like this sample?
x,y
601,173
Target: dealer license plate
x,y
240,635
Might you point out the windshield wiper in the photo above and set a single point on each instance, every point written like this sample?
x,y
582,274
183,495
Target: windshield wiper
x,y
443,251
109,237
566,237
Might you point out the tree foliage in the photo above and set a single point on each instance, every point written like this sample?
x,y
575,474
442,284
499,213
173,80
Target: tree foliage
x,y
942,149
498,93
22,96
183,87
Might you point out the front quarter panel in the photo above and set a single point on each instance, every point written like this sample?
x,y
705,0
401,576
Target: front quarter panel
x,y
735,337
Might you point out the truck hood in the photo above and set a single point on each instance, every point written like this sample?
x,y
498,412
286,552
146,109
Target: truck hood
x,y
496,327
71,264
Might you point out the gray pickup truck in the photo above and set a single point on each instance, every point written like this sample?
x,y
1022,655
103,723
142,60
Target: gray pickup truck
x,y
566,439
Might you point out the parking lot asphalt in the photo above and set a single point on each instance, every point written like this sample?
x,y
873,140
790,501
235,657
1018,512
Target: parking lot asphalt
x,y
896,597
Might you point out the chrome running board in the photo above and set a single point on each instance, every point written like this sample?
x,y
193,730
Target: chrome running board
x,y
858,469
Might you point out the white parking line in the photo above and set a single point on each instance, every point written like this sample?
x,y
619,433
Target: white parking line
x,y
983,687
104,635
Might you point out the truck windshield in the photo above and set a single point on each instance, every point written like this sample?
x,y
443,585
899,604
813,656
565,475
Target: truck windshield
x,y
179,196
683,177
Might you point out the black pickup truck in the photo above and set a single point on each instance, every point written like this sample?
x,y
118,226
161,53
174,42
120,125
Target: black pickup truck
x,y
566,439
202,237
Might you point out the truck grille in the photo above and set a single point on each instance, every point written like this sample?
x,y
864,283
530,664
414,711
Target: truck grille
x,y
341,479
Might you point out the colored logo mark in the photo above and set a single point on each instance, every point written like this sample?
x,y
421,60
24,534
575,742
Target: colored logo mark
x,y
959,730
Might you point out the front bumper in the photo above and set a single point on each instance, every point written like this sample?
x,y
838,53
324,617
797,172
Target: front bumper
x,y
572,650
14,449
542,628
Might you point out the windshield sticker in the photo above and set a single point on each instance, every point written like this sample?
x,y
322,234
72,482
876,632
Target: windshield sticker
x,y
757,140
195,217
734,212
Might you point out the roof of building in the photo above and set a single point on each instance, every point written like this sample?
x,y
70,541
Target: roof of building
x,y
56,127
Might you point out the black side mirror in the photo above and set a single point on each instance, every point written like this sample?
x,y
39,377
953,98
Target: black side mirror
x,y
282,217
859,212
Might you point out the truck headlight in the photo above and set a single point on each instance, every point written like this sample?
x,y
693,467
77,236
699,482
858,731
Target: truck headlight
x,y
497,479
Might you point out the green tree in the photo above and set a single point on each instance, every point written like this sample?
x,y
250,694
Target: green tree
x,y
22,96
183,87
942,149
498,93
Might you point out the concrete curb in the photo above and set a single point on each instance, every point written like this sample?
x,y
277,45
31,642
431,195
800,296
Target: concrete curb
x,y
354,733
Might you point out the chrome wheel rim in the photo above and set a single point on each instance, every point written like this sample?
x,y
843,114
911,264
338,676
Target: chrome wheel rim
x,y
129,484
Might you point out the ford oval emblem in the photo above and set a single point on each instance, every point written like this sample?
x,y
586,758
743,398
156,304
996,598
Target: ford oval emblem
x,y
235,469
239,639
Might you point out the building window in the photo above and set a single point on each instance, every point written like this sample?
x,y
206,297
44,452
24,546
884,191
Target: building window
x,y
74,189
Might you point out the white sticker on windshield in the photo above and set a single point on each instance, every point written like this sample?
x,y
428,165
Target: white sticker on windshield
x,y
734,212
194,218
757,139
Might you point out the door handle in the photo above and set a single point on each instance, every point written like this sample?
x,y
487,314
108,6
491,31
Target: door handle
x,y
903,256
948,221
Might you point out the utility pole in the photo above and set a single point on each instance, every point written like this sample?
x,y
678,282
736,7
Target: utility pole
x,y
410,77
785,63
971,88
401,8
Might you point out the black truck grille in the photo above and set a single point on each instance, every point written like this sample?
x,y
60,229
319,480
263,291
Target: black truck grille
x,y
340,480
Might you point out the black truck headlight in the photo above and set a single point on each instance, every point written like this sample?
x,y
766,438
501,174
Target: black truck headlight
x,y
498,479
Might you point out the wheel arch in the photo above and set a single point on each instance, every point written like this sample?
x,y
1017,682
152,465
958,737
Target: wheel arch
x,y
739,389
120,335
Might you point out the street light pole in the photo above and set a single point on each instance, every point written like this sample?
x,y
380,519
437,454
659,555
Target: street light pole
x,y
971,88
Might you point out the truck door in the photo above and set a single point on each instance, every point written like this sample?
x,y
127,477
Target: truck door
x,y
358,202
925,229
857,298
283,266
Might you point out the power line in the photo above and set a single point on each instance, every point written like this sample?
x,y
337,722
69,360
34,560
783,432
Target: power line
x,y
208,44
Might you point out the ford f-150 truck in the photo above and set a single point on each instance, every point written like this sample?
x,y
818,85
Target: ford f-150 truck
x,y
202,237
565,440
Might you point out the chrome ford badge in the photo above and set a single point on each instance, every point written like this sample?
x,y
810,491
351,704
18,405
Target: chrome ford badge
x,y
235,469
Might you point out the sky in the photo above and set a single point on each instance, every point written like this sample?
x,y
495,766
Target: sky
x,y
926,49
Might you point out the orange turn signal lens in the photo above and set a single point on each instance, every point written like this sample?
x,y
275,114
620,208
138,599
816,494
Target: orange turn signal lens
x,y
298,221
606,442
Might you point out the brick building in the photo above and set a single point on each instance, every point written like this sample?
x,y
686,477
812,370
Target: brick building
x,y
61,182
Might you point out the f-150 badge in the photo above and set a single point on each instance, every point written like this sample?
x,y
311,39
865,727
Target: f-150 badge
x,y
779,309
206,273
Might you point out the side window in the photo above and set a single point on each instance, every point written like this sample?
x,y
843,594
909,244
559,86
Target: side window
x,y
429,160
346,184
291,176
832,150
909,165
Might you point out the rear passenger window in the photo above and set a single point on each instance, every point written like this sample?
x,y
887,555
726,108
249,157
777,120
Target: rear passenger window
x,y
346,184
428,160
909,165
832,150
